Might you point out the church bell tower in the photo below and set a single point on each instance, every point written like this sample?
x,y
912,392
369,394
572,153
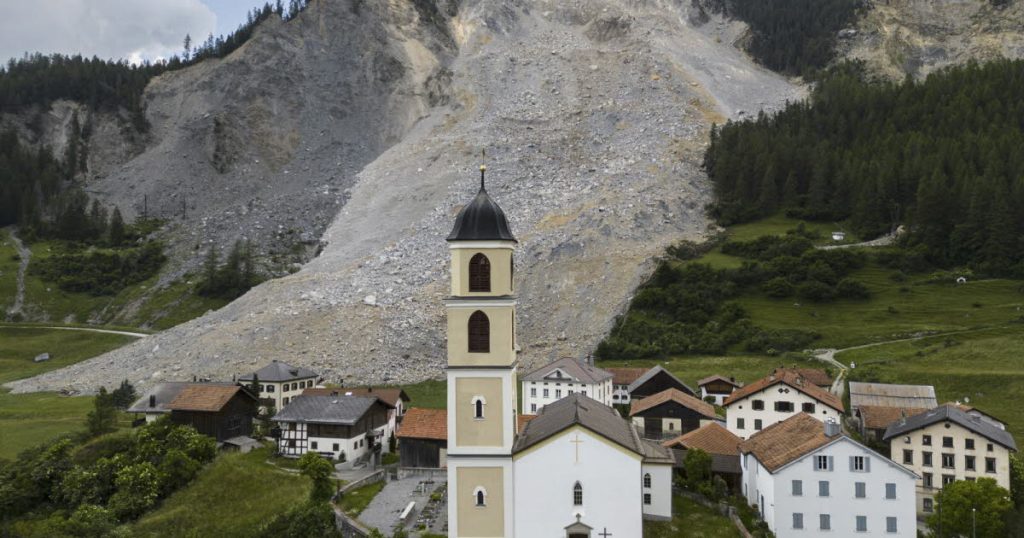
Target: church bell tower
x,y
482,361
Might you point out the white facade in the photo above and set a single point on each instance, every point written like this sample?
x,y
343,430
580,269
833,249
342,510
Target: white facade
x,y
295,441
283,391
620,394
537,394
656,493
719,399
771,405
865,494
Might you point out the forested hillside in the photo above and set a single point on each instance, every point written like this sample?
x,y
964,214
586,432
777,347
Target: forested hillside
x,y
941,156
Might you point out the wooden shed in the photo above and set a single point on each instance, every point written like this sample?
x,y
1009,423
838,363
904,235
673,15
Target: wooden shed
x,y
220,411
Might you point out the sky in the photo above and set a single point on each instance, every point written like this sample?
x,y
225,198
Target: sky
x,y
111,29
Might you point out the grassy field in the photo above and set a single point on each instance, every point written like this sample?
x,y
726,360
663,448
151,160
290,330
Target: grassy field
x,y
984,366
355,501
232,497
691,519
32,419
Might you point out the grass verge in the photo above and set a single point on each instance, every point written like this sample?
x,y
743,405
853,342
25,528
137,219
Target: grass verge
x,y
355,501
691,519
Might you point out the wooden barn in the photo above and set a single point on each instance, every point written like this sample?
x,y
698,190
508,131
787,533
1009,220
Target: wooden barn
x,y
721,444
423,438
670,413
220,411
656,380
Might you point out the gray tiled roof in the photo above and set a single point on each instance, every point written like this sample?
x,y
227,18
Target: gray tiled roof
x,y
280,371
653,372
346,410
165,393
594,416
953,414
580,373
888,395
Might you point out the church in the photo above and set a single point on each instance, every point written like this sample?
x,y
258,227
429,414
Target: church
x,y
576,470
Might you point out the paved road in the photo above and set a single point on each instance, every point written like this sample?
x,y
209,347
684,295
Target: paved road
x,y
84,329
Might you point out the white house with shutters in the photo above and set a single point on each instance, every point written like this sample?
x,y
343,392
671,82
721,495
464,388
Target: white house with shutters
x,y
775,398
339,427
280,382
809,479
566,376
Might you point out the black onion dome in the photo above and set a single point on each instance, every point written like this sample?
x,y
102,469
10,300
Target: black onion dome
x,y
481,220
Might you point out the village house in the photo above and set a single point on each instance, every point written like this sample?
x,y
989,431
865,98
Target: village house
x,y
656,380
153,403
945,444
717,388
807,478
816,376
393,396
423,439
280,382
720,444
220,411
561,378
877,405
776,398
622,378
670,413
346,428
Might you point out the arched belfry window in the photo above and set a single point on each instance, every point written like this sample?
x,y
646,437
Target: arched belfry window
x,y
479,273
480,496
479,333
478,406
577,494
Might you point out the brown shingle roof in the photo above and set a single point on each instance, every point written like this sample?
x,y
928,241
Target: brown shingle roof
x,y
389,396
784,442
675,395
712,438
204,397
420,423
792,379
877,417
716,377
626,376
521,420
814,375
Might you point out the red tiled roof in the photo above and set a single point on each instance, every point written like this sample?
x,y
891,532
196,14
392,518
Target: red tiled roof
x,y
421,423
814,375
876,417
711,438
792,379
626,376
786,441
716,377
521,421
675,395
204,397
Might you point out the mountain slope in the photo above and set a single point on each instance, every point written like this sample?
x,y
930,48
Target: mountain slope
x,y
594,116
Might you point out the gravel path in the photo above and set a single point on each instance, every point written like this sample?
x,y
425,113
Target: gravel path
x,y
82,329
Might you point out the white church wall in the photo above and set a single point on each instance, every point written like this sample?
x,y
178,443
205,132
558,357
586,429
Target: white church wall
x,y
545,476
660,491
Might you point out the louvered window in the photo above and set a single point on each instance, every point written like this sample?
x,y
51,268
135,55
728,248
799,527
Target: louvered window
x,y
479,273
479,333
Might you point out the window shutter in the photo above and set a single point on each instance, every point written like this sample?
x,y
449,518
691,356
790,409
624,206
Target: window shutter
x,y
831,463
852,466
867,464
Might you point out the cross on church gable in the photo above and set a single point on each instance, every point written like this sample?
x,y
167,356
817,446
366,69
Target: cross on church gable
x,y
577,441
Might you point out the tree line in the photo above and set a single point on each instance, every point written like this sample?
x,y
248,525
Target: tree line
x,y
939,156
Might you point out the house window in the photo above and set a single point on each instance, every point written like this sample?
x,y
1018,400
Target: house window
x,y
857,464
926,440
647,498
758,405
948,479
969,463
546,394
948,461
270,388
291,443
947,442
757,424
313,445
798,488
741,424
825,522
533,392
647,480
480,496
890,490
558,393
263,388
860,490
928,505
479,333
671,426
533,408
479,273
908,457
890,525
285,400
784,407
821,463
808,408
335,447
989,448
862,523
990,465
577,494
926,459
927,479
798,520
823,488
969,444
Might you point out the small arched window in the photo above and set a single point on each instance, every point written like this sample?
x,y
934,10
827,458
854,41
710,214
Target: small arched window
x,y
480,496
647,480
577,494
479,333
479,273
478,406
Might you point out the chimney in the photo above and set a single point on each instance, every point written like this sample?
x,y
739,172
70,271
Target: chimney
x,y
832,428
152,400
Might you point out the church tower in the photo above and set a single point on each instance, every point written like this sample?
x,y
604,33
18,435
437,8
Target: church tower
x,y
482,401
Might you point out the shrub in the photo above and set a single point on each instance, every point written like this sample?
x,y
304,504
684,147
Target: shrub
x,y
813,290
90,521
852,289
778,288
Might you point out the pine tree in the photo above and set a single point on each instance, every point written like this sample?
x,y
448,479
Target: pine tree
x,y
115,230
186,55
103,418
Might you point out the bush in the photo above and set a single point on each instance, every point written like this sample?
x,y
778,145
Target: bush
x,y
818,292
90,521
852,289
309,520
101,272
778,288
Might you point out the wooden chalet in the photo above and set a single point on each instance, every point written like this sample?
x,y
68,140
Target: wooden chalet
x,y
670,413
721,444
423,438
655,380
717,387
220,411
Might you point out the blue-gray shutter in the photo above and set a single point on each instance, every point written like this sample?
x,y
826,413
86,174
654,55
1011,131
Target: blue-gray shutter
x,y
852,465
867,464
831,463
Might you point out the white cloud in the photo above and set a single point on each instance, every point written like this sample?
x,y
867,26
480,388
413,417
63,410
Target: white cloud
x,y
131,29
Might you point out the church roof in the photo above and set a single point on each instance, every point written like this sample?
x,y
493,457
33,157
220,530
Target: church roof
x,y
673,395
481,220
280,371
577,409
581,373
